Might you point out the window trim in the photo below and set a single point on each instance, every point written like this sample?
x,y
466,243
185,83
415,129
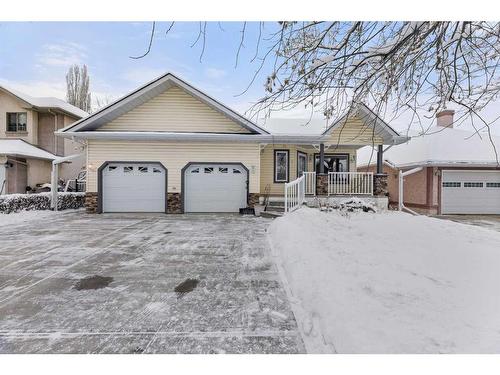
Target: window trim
x,y
333,154
25,130
299,154
287,152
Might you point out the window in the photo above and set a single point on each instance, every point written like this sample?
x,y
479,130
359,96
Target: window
x,y
451,184
128,169
111,168
156,170
493,184
196,170
236,171
301,163
280,165
208,170
16,122
333,163
222,170
143,169
473,184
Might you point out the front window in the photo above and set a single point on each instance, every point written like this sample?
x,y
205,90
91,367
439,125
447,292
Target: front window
x,y
16,122
301,163
333,163
281,166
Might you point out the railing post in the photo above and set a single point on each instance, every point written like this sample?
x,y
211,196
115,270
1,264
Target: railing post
x,y
286,198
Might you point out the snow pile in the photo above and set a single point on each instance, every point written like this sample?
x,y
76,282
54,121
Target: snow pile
x,y
19,202
26,216
390,282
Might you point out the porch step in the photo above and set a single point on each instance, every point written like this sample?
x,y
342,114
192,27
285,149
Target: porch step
x,y
275,209
271,214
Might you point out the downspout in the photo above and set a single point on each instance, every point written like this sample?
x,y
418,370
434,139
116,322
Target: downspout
x,y
402,175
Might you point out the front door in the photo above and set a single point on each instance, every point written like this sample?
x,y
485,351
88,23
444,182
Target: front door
x,y
333,163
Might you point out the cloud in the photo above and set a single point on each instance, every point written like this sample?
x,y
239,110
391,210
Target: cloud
x,y
214,73
65,54
140,76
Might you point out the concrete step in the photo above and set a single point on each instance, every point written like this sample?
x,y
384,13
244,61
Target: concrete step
x,y
271,214
275,208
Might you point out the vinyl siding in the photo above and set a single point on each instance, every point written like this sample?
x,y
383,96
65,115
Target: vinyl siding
x,y
174,110
267,164
174,156
354,132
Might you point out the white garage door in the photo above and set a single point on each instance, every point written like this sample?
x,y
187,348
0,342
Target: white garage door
x,y
215,188
470,192
133,187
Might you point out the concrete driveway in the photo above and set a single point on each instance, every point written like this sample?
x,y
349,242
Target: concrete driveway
x,y
236,305
486,221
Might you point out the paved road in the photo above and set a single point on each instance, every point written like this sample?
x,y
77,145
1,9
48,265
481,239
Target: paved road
x,y
238,305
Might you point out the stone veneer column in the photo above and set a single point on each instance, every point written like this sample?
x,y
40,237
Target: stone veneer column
x,y
90,202
380,184
174,203
253,199
322,184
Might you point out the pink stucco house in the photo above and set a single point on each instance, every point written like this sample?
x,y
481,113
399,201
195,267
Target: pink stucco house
x,y
453,171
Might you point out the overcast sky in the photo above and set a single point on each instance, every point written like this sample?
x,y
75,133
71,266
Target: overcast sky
x,y
35,56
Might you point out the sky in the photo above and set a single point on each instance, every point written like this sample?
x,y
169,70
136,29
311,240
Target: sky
x,y
35,56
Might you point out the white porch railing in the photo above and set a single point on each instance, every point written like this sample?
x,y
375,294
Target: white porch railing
x,y
310,183
294,194
360,183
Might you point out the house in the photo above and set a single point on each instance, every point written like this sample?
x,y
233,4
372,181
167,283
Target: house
x,y
28,143
169,147
448,170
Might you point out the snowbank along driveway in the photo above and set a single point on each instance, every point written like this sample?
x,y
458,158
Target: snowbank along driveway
x,y
233,302
390,282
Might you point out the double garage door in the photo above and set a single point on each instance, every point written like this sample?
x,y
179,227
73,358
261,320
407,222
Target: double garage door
x,y
142,187
470,192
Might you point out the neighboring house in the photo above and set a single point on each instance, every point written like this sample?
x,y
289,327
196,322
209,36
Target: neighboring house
x,y
28,143
169,147
457,170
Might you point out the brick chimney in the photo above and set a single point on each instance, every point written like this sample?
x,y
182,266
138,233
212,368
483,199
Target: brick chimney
x,y
445,118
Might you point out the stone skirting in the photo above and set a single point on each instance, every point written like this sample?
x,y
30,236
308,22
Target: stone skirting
x,y
91,202
380,184
253,199
174,205
322,184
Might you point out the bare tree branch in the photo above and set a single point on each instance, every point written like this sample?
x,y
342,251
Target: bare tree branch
x,y
150,44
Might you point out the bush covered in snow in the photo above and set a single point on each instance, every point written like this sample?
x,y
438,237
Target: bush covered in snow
x,y
19,202
347,205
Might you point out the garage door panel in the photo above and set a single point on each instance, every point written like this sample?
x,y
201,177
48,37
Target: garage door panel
x,y
134,187
470,192
215,188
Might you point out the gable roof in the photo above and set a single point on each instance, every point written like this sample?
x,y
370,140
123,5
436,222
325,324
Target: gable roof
x,y
369,119
147,92
46,103
439,147
18,147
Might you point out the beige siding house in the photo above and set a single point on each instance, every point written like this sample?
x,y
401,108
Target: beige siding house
x,y
28,142
169,147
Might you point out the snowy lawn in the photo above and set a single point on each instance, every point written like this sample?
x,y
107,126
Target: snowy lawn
x,y
390,282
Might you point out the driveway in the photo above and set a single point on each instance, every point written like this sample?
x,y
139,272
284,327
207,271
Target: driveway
x,y
235,304
486,221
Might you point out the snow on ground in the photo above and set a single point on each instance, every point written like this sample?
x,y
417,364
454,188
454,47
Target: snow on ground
x,y
26,216
390,282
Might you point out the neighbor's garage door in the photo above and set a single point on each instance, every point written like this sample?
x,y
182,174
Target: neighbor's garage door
x,y
133,187
215,188
470,192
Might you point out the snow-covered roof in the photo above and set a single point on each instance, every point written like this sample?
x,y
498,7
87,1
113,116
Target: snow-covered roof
x,y
46,102
438,147
18,147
